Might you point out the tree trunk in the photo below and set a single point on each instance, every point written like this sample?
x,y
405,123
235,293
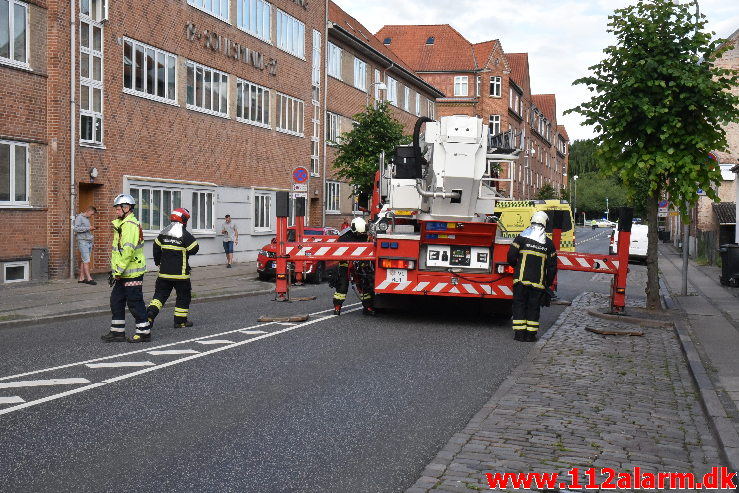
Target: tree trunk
x,y
652,289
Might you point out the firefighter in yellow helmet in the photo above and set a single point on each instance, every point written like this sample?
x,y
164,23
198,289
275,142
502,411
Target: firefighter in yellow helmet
x,y
534,259
364,273
128,265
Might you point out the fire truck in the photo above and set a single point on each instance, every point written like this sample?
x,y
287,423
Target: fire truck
x,y
433,220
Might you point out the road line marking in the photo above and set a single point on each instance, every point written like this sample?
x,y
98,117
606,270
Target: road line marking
x,y
253,332
195,339
11,400
216,341
41,383
50,398
173,351
119,364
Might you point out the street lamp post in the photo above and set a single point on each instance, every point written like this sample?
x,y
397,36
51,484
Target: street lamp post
x,y
575,178
607,218
380,86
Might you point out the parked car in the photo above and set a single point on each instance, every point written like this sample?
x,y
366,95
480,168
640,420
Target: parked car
x,y
604,223
637,244
315,272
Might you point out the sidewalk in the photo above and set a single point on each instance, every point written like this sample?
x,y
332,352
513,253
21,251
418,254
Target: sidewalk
x,y
27,303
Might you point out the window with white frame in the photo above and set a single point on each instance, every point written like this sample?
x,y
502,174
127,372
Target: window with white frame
x,y
97,10
315,147
377,84
14,173
478,83
333,128
332,197
202,211
407,99
360,74
494,124
460,85
290,34
392,91
431,109
218,8
14,33
255,17
514,101
262,211
207,89
334,61
316,59
91,77
495,86
149,72
252,103
154,204
15,271
290,113
418,104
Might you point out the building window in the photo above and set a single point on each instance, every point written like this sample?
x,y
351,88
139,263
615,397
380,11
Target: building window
x,y
514,101
290,34
91,78
207,89
14,33
14,173
333,128
154,78
360,74
407,99
154,205
262,212
494,124
495,86
202,211
218,8
431,110
460,85
478,83
334,61
418,104
392,91
332,197
252,103
290,114
15,271
316,59
377,85
255,17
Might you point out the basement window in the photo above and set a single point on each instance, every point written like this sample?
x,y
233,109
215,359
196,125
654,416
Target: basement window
x,y
15,272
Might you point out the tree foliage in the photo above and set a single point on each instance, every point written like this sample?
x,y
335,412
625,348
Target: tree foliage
x,y
582,157
358,151
592,191
546,192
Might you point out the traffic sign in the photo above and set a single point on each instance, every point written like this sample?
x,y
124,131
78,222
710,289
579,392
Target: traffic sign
x,y
662,204
300,175
298,195
662,214
300,187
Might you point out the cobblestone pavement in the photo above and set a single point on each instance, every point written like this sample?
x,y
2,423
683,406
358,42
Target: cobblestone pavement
x,y
584,400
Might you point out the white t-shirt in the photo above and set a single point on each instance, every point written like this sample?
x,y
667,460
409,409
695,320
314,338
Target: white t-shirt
x,y
231,231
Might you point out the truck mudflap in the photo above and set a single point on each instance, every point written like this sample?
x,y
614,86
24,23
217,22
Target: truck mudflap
x,y
449,285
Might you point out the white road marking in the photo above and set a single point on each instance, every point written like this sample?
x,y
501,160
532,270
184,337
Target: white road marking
x,y
173,351
216,341
50,398
119,364
253,332
41,383
11,400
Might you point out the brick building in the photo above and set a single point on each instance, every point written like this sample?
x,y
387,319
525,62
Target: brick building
x,y
480,79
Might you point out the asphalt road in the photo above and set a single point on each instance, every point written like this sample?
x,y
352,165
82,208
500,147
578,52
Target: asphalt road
x,y
335,404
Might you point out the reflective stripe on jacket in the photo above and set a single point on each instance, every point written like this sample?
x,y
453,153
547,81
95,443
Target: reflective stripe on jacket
x,y
127,256
172,250
535,263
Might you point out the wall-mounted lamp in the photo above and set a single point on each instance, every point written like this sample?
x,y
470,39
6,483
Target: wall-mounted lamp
x,y
93,174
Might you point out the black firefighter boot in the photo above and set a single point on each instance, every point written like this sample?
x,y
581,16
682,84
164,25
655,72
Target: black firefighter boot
x,y
531,335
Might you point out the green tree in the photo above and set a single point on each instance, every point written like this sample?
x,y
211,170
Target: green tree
x,y
358,150
592,191
582,157
659,104
546,192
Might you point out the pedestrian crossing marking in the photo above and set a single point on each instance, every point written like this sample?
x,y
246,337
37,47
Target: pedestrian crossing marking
x,y
120,364
11,400
40,383
253,332
216,341
173,351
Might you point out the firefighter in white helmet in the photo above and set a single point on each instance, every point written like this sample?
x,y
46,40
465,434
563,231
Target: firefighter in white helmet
x,y
363,271
534,259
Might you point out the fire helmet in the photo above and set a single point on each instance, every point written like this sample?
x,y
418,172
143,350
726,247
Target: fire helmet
x,y
359,225
180,215
540,217
124,199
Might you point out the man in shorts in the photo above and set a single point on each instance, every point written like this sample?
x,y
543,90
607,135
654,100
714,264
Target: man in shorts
x,y
230,238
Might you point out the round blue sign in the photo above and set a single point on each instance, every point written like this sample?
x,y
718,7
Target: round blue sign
x,y
663,203
300,175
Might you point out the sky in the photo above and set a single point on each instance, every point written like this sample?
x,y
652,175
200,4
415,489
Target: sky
x,y
563,38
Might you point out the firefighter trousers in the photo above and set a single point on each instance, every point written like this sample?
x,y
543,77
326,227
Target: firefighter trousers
x,y
526,307
128,292
162,290
365,286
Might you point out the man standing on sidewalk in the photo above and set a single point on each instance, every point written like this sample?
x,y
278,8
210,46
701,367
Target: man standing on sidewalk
x,y
128,265
534,259
84,229
230,238
172,250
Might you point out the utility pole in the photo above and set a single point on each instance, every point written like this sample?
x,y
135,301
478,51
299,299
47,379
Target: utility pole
x,y
607,219
575,178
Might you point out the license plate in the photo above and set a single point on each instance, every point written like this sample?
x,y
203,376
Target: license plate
x,y
397,275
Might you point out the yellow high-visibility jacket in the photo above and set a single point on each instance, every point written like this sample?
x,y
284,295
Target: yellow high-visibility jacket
x,y
127,258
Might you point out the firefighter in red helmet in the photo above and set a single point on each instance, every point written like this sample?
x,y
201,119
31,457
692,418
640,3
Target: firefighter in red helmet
x,y
172,250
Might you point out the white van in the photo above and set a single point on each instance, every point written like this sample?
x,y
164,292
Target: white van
x,y
638,243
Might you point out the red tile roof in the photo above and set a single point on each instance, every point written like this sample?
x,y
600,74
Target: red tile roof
x,y
547,104
519,69
450,51
563,132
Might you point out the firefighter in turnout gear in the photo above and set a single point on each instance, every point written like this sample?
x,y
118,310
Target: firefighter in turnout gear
x,y
128,265
534,259
364,274
172,250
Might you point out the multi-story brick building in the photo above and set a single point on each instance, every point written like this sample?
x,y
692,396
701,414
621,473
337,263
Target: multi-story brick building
x,y
480,79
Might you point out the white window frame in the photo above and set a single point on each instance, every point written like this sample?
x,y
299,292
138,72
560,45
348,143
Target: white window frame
x,y
333,64
333,128
22,263
496,85
246,92
478,83
377,84
12,166
290,34
431,109
170,96
407,99
196,224
138,190
360,74
10,60
193,67
333,197
461,88
290,115
494,123
255,17
89,83
316,59
392,91
262,212
418,104
216,12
